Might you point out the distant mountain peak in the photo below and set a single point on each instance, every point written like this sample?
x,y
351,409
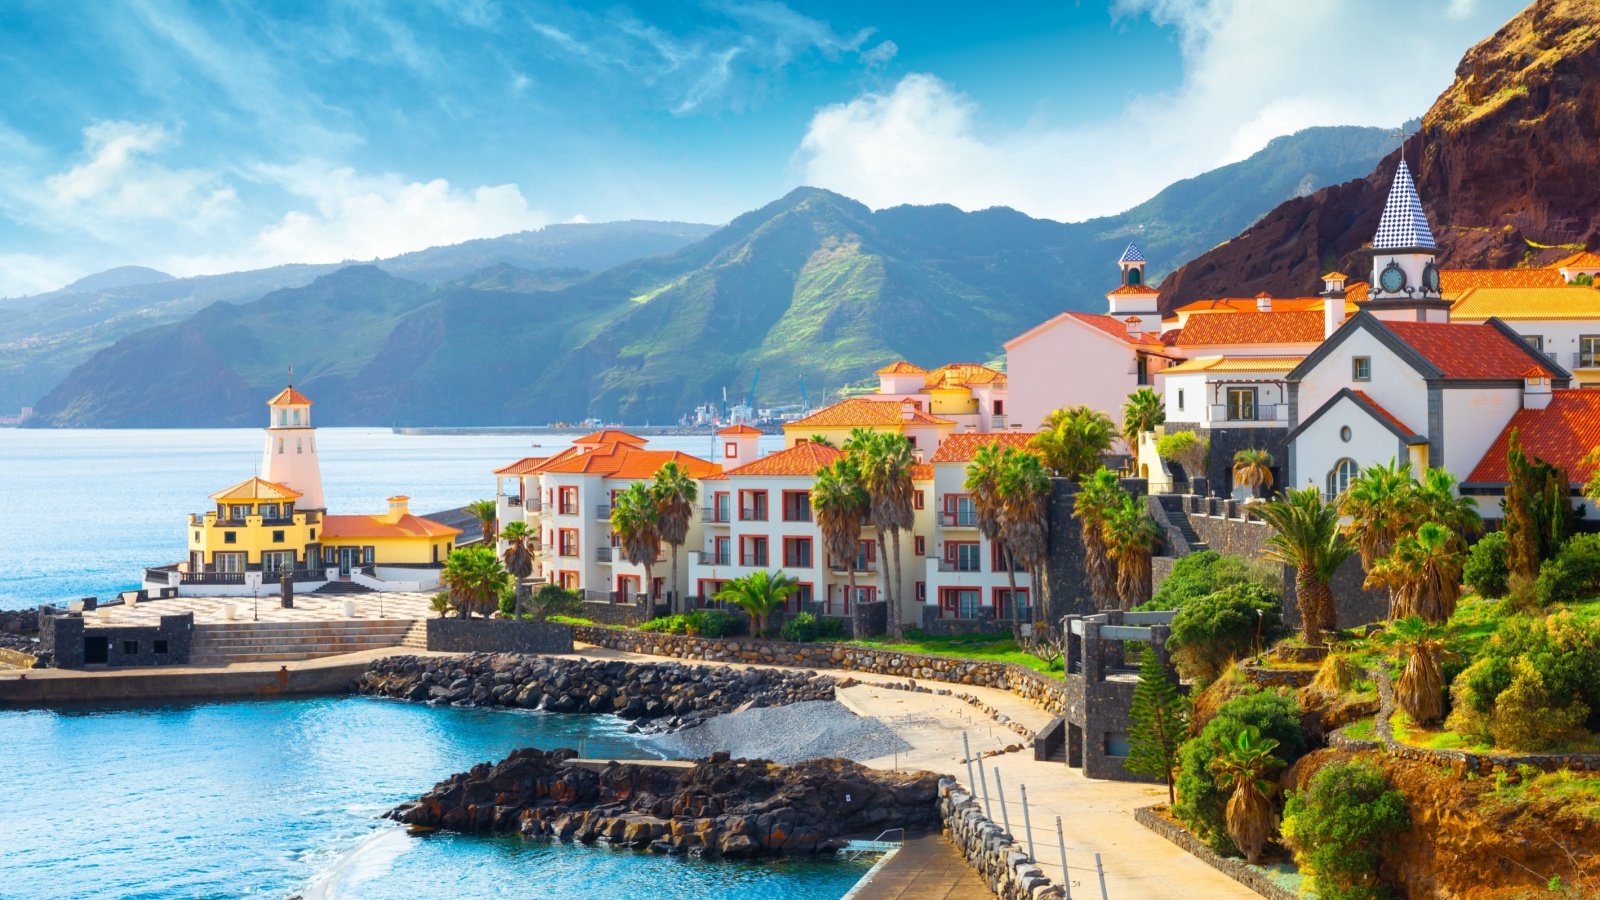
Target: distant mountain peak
x,y
119,277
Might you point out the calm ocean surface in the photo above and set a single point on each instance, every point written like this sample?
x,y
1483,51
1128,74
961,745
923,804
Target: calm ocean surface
x,y
281,798
88,509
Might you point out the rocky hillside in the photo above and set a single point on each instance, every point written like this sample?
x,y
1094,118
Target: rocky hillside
x,y
1506,161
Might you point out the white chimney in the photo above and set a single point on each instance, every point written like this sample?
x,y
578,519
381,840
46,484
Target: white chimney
x,y
1535,389
1135,326
1263,302
1332,303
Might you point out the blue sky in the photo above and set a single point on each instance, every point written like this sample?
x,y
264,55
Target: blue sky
x,y
209,137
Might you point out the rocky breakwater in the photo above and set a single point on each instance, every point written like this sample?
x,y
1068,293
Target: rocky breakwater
x,y
660,696
720,807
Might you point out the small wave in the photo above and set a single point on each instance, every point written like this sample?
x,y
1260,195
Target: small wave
x,y
373,856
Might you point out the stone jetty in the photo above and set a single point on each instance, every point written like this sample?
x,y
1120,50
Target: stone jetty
x,y
719,807
657,696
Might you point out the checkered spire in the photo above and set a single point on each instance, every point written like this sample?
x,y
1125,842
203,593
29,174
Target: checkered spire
x,y
1404,224
1132,254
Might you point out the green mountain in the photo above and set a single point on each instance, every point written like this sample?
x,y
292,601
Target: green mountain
x,y
809,293
44,336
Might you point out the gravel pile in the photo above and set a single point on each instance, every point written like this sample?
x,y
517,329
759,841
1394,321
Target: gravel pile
x,y
786,734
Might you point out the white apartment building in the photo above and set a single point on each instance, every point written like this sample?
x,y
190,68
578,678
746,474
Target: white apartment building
x,y
964,575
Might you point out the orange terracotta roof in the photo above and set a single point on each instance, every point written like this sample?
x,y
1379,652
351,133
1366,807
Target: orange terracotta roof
x,y
1454,281
803,459
739,429
525,466
860,412
962,375
1561,434
1583,259
900,367
255,488
1249,304
1336,275
1297,327
1133,289
289,397
609,436
1391,417
623,461
1115,327
964,447
1357,291
1234,364
336,527
1466,351
1526,303
921,472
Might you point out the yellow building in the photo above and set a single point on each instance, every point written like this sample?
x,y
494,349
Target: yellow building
x,y
267,524
834,423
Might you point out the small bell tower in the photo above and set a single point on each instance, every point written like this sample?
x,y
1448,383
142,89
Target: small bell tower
x,y
1405,277
1133,297
290,455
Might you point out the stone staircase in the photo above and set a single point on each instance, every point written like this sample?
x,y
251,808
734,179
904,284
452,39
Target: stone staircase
x,y
1173,507
237,642
417,637
342,587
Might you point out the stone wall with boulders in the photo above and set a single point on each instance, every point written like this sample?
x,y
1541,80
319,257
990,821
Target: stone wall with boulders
x,y
498,636
997,857
1044,691
666,696
718,808
19,621
1153,818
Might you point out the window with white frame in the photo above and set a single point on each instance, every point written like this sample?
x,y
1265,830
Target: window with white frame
x,y
1344,471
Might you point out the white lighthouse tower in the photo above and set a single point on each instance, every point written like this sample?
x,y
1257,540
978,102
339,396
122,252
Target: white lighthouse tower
x,y
290,455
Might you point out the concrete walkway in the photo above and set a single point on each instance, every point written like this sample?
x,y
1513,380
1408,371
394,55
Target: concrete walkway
x,y
924,868
1096,816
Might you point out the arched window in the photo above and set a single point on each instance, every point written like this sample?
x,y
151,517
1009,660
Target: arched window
x,y
1344,471
1133,277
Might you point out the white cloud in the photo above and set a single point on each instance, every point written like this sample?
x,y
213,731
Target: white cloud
x,y
357,217
22,274
120,182
880,55
1253,70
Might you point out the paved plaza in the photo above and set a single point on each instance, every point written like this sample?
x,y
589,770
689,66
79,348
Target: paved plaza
x,y
307,608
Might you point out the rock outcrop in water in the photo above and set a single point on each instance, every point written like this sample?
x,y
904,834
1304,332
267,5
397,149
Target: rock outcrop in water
x,y
666,696
719,807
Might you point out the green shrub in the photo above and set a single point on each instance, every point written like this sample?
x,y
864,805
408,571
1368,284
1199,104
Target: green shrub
x,y
666,625
714,623
802,628
571,620
1486,571
1211,631
1574,573
1197,575
1339,826
1201,803
1562,671
830,629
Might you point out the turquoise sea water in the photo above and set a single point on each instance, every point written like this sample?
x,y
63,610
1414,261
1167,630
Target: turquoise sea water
x,y
86,510
281,798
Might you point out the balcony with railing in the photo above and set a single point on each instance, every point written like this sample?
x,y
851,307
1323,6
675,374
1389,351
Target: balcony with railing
x,y
1265,413
753,514
860,566
961,565
714,515
1586,359
712,558
959,518
797,560
212,520
603,554
602,511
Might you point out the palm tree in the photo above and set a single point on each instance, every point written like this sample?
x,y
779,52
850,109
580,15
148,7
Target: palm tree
x,y
860,445
1097,494
982,484
1142,412
488,518
1438,501
518,555
636,522
760,594
839,502
1242,767
475,578
1420,688
1130,536
1252,468
1307,538
1379,504
886,473
822,439
675,494
1423,574
1024,494
1072,441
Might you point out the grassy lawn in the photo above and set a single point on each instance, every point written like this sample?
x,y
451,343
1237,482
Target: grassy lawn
x,y
1574,791
991,647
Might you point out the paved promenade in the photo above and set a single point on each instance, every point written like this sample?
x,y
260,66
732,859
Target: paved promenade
x,y
307,608
1096,816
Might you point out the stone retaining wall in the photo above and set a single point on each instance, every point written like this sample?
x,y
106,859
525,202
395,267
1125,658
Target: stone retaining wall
x,y
997,857
498,636
1461,763
1237,869
1043,691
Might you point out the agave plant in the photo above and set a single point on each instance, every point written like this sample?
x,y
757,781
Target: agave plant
x,y
1242,767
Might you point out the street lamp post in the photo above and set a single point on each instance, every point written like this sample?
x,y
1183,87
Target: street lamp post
x,y
253,581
